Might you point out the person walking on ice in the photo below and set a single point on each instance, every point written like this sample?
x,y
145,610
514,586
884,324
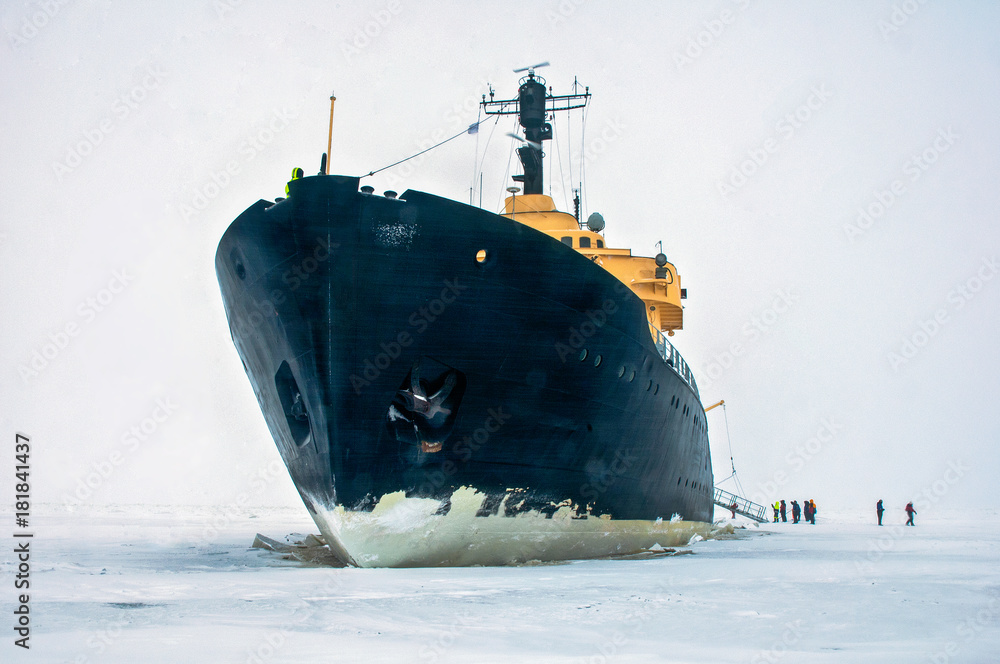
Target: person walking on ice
x,y
878,510
909,514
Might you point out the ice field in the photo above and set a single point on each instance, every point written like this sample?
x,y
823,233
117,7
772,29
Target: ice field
x,y
141,584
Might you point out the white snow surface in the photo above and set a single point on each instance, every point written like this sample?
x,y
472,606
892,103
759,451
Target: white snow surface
x,y
145,584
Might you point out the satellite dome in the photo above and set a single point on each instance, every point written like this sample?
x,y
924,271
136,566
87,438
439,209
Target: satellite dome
x,y
595,222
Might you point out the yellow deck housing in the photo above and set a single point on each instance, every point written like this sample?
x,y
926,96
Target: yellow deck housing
x,y
661,295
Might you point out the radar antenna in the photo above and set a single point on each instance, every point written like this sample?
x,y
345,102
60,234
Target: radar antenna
x,y
537,146
532,68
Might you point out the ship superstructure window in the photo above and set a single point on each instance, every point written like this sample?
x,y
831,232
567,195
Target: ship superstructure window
x,y
600,244
585,243
567,240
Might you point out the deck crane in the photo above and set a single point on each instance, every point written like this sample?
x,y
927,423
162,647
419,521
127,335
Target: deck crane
x,y
735,501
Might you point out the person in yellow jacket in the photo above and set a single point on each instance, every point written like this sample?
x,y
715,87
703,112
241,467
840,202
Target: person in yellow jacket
x,y
296,175
777,510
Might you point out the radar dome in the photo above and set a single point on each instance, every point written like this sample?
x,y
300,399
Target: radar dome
x,y
595,222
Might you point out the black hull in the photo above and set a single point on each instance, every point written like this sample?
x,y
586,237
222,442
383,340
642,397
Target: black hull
x,y
351,310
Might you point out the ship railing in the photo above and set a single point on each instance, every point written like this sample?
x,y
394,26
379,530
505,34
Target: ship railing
x,y
673,358
740,505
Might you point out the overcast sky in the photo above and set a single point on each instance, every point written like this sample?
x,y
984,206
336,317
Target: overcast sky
x,y
824,176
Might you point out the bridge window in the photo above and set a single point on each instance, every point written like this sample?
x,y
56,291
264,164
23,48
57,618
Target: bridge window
x,y
567,240
600,244
585,243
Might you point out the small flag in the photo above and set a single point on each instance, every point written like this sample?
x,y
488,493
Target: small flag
x,y
473,128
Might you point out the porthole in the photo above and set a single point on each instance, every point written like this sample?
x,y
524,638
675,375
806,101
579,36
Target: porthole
x,y
631,376
583,354
597,361
649,386
481,256
657,390
621,371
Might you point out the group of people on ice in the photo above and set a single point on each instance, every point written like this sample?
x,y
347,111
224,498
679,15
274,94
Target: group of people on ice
x,y
909,512
807,511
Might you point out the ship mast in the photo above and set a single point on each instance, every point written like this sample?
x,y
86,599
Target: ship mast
x,y
533,106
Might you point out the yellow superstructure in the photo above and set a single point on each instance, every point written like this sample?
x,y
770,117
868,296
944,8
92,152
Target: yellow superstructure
x,y
658,286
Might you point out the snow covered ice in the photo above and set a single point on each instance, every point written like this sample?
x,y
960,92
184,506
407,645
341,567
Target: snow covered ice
x,y
143,584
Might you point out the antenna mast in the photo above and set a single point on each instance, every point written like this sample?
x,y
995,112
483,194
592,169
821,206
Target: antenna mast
x,y
329,137
533,106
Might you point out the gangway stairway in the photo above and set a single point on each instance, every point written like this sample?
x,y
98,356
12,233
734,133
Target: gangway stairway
x,y
747,508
